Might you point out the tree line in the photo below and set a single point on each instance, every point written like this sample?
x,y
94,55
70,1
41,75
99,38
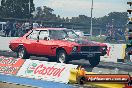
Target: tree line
x,y
22,9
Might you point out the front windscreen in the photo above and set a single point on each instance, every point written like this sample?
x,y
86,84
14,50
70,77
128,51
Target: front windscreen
x,y
62,34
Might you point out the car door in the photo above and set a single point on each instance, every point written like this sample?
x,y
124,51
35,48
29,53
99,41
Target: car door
x,y
31,42
44,44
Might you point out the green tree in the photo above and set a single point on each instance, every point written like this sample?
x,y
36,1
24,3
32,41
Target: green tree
x,y
39,13
46,14
81,19
16,8
58,18
118,18
67,19
115,18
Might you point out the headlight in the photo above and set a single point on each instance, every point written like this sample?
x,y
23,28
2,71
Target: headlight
x,y
103,48
74,48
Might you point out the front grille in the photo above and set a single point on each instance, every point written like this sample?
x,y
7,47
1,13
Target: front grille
x,y
90,48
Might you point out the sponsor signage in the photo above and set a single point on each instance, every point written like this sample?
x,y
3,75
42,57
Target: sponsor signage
x,y
49,71
114,52
109,80
10,65
121,78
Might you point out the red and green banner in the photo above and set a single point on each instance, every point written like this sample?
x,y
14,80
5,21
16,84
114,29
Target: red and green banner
x,y
10,65
49,71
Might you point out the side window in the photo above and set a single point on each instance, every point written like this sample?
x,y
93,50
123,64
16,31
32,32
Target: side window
x,y
33,35
43,34
57,34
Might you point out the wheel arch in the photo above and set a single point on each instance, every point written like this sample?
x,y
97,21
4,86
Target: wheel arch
x,y
20,45
66,56
60,48
26,55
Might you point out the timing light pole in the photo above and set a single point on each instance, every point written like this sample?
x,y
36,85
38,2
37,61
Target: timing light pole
x,y
91,29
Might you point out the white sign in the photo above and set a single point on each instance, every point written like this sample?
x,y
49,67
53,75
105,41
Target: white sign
x,y
49,71
131,58
114,52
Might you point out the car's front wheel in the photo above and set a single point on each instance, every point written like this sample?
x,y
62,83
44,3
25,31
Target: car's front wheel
x,y
22,53
94,61
62,57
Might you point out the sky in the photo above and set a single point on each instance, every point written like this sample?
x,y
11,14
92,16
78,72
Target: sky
x,y
73,8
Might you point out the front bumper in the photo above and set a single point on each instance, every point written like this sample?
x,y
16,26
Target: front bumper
x,y
87,54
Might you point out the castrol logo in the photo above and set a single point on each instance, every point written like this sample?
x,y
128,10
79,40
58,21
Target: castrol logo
x,y
44,70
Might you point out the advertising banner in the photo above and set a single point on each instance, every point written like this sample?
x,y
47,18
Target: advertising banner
x,y
10,65
114,52
118,78
49,71
109,80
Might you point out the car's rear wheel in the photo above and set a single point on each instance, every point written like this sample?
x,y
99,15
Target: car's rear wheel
x,y
94,61
22,53
62,57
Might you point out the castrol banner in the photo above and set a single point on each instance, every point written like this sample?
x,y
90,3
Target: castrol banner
x,y
114,52
49,71
10,65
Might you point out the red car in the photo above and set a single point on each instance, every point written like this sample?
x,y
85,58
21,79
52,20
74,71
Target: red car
x,y
58,44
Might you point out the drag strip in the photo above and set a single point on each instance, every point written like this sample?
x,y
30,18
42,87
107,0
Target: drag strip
x,y
104,67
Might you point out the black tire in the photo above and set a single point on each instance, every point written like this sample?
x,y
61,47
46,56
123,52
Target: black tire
x,y
62,57
22,53
94,61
